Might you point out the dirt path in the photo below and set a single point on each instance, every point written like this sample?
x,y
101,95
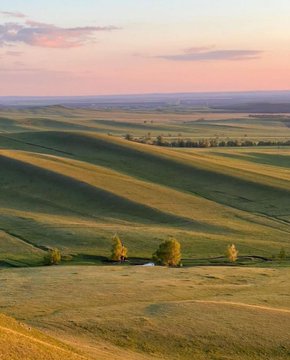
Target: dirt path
x,y
238,304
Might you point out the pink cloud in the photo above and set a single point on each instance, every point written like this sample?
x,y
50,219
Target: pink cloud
x,y
46,35
198,49
209,54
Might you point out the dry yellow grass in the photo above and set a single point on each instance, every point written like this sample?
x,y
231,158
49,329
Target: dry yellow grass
x,y
139,313
19,341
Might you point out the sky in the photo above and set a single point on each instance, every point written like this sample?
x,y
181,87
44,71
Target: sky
x,y
98,47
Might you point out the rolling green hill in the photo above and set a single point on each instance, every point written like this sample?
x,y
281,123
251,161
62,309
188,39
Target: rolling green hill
x,y
74,189
70,180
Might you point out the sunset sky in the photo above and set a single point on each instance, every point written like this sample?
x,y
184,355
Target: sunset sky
x,y
92,47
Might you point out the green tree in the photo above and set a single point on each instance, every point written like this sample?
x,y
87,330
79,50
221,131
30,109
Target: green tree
x,y
53,257
119,251
168,253
129,137
160,140
232,253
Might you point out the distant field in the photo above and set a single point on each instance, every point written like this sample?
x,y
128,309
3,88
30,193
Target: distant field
x,y
192,124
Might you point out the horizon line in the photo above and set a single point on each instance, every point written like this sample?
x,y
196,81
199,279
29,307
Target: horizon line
x,y
148,94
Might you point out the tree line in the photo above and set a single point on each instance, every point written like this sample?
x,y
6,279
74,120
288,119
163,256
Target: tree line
x,y
204,143
168,253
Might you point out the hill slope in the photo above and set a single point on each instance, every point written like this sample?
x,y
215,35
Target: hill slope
x,y
19,341
198,313
74,190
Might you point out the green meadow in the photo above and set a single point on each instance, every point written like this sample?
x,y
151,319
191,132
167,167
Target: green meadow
x,y
70,180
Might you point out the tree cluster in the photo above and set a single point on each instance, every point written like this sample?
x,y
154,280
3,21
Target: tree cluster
x,y
203,143
168,252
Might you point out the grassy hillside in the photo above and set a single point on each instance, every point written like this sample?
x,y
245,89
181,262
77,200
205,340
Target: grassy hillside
x,y
19,341
74,189
70,180
198,313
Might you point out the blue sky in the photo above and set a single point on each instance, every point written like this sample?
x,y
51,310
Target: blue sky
x,y
149,10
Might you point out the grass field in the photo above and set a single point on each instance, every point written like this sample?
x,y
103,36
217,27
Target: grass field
x,y
134,312
76,189
70,180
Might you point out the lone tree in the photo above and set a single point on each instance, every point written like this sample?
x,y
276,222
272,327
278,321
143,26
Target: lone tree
x,y
119,251
232,253
168,253
129,137
53,257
